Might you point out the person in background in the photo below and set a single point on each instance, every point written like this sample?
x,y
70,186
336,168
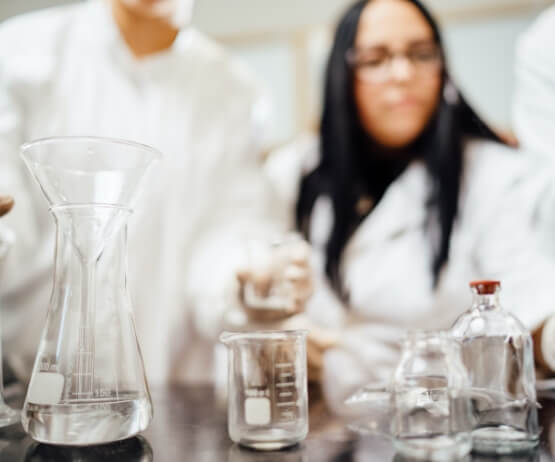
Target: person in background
x,y
533,118
534,108
406,197
134,69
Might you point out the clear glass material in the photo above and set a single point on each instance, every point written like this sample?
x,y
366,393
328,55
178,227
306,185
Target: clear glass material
x,y
88,384
8,416
431,405
498,352
269,257
267,388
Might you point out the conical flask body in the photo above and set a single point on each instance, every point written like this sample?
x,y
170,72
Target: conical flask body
x,y
88,384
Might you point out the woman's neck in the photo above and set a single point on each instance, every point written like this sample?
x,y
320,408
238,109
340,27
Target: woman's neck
x,y
144,36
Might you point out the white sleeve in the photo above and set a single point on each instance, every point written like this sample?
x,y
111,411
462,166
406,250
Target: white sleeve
x,y
29,218
241,206
533,108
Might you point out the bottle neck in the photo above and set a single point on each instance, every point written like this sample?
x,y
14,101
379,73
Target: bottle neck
x,y
486,302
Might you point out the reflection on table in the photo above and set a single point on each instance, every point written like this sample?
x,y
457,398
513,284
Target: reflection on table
x,y
190,424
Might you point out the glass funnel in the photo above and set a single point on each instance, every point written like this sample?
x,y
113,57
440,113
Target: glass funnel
x,y
88,384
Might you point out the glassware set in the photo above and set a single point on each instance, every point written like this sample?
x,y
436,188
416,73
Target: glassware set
x,y
471,388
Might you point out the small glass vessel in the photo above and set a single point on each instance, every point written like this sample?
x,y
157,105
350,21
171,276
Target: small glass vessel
x,y
8,416
430,399
498,352
267,388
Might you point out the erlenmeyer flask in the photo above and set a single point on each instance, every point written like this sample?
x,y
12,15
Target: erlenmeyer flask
x,y
88,384
8,416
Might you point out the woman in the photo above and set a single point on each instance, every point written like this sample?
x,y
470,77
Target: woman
x,y
412,197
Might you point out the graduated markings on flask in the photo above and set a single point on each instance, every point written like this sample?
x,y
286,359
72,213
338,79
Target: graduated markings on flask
x,y
47,366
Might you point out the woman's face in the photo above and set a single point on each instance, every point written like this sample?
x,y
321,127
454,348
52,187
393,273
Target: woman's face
x,y
398,72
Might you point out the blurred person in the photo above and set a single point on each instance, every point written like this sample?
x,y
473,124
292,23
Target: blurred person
x,y
534,115
134,69
534,108
408,196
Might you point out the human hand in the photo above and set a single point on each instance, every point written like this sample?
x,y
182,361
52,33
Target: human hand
x,y
278,282
6,204
317,343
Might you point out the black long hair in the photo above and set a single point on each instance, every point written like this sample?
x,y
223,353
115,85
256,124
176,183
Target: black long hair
x,y
351,165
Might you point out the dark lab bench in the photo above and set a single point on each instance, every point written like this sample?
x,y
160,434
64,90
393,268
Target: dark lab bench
x,y
190,425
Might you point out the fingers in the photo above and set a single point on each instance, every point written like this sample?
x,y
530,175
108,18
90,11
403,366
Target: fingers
x,y
323,339
6,204
277,280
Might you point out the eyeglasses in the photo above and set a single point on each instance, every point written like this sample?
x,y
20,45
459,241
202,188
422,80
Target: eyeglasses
x,y
375,65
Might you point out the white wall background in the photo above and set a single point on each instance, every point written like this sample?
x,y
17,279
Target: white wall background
x,y
286,42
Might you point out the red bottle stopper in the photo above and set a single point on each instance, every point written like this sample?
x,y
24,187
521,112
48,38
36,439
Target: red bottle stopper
x,y
485,287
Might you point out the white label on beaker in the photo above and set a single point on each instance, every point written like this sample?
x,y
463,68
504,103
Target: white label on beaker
x,y
46,388
257,411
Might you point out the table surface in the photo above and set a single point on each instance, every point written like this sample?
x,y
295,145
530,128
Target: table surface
x,y
190,425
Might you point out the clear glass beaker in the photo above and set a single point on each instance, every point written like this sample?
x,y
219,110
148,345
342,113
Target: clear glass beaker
x,y
267,388
88,384
270,258
430,399
8,416
498,352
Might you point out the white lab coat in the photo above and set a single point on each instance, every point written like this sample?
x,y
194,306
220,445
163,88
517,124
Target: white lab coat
x,y
67,71
386,264
534,105
534,101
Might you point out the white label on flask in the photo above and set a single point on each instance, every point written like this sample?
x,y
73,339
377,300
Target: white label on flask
x,y
46,388
257,411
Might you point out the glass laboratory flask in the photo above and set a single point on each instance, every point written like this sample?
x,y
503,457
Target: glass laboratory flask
x,y
267,388
8,416
432,417
498,352
88,384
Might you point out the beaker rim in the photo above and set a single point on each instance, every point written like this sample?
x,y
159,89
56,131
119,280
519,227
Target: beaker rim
x,y
228,336
90,138
62,207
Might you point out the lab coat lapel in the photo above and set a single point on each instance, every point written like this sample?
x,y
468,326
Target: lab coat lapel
x,y
403,207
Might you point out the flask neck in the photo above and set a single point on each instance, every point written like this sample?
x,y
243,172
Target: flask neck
x,y
486,302
91,242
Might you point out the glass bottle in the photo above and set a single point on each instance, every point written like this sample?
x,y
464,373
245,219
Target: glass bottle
x,y
88,384
498,352
430,399
8,416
